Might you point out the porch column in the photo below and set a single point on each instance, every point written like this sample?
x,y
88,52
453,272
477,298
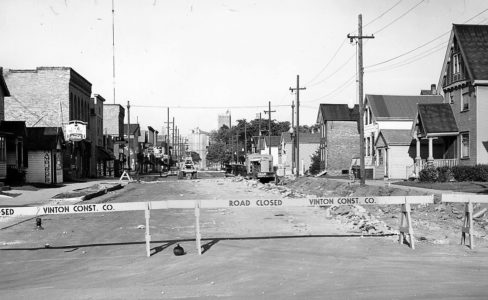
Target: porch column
x,y
417,167
430,159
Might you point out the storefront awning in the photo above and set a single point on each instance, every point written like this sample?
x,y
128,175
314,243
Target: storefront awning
x,y
105,154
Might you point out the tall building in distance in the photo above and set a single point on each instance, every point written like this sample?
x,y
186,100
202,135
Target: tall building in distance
x,y
224,119
198,142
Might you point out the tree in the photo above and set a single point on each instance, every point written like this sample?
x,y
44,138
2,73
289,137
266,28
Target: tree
x,y
218,152
195,157
316,165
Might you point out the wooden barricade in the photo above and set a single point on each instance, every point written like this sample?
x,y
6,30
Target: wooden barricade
x,y
468,200
405,201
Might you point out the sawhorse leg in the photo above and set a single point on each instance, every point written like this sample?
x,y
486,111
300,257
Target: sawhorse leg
x,y
406,226
468,225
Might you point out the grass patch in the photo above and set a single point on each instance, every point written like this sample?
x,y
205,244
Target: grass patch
x,y
465,186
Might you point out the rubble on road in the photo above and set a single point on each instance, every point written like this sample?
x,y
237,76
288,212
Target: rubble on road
x,y
439,223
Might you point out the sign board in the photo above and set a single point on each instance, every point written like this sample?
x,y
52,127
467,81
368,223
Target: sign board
x,y
76,131
158,152
252,203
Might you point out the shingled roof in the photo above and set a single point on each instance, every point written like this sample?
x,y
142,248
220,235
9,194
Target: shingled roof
x,y
437,119
337,112
390,137
473,43
43,138
398,106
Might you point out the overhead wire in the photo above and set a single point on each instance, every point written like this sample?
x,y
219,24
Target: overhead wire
x,y
399,17
310,82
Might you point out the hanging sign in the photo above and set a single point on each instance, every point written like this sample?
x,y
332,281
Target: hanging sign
x,y
76,131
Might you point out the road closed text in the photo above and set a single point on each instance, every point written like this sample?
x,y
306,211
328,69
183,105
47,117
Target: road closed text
x,y
259,203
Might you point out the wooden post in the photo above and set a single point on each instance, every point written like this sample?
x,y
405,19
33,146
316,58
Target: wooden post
x,y
148,235
406,225
197,227
468,225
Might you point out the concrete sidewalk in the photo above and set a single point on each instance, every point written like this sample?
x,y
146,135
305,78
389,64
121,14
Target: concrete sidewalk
x,y
31,196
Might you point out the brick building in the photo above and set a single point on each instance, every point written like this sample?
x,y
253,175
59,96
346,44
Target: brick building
x,y
339,136
52,97
113,126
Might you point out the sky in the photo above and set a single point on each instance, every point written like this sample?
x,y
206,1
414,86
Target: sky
x,y
202,58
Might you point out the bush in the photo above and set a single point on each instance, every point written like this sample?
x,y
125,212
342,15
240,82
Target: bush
x,y
470,173
445,174
316,165
481,172
428,174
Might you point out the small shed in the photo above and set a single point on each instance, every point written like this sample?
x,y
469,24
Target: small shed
x,y
44,147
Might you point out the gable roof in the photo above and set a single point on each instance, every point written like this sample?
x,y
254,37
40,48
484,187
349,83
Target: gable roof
x,y
43,138
305,138
275,140
337,112
398,107
473,43
394,137
3,84
437,119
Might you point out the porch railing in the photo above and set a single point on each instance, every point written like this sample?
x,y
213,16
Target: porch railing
x,y
451,162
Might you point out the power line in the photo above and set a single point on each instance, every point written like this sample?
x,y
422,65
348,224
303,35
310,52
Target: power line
x,y
399,17
208,107
423,45
328,63
339,88
342,44
381,15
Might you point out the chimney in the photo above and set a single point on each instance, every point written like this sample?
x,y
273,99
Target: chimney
x,y
433,89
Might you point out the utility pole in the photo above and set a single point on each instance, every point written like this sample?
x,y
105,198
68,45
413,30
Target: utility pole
x,y
167,136
128,135
297,133
269,111
113,47
173,139
360,38
237,145
292,138
245,139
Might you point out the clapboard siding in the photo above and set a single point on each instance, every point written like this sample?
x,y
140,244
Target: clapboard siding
x,y
399,160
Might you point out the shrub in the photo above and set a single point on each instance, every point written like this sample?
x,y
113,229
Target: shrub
x,y
470,173
429,174
445,174
481,172
316,165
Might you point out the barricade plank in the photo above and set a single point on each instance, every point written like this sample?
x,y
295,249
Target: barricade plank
x,y
166,204
463,198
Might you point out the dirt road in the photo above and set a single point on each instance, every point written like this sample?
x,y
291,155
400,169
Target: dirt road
x,y
249,253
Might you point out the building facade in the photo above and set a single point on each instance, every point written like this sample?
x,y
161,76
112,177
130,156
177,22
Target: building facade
x,y
224,119
339,137
53,97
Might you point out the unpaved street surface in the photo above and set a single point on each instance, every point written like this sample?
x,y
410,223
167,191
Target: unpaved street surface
x,y
249,253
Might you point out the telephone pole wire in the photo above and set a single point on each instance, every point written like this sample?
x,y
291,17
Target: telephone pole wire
x,y
360,38
297,134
